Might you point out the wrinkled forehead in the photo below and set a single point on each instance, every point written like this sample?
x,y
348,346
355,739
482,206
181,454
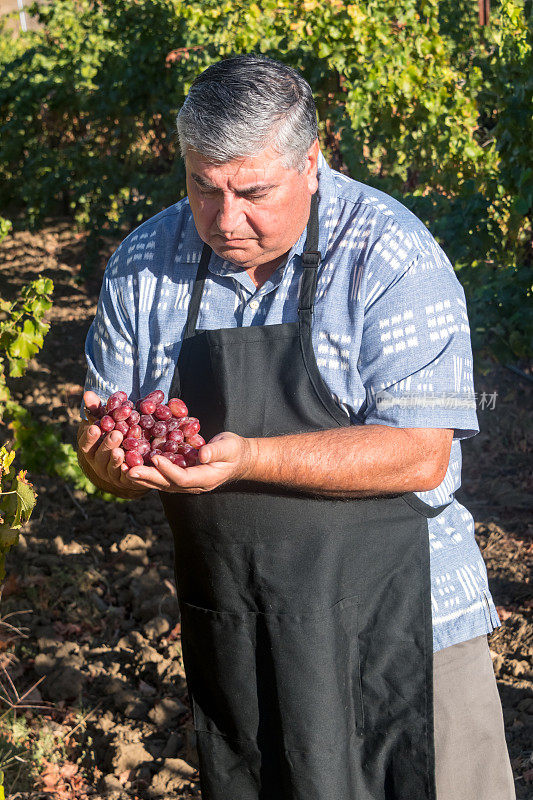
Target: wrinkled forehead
x,y
266,166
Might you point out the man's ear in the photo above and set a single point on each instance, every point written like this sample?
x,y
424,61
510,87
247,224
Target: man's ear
x,y
311,167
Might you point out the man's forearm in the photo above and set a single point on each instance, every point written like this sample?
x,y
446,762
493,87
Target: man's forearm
x,y
359,461
103,485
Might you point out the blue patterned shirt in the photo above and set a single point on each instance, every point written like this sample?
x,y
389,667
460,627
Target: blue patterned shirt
x,y
390,334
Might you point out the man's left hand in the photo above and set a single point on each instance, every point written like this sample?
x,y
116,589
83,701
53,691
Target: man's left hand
x,y
226,457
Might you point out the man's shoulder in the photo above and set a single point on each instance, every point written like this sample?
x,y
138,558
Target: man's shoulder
x,y
361,198
162,234
378,226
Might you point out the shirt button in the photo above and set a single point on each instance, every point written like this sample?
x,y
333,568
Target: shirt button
x,y
254,305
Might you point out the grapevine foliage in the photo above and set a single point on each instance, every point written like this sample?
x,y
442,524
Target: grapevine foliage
x,y
413,97
22,331
17,500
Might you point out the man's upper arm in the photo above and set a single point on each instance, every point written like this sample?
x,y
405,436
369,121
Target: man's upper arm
x,y
416,357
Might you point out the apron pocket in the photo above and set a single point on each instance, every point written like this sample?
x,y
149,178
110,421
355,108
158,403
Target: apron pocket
x,y
315,658
292,677
219,658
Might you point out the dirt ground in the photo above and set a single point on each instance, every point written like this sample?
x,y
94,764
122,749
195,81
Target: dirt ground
x,y
103,628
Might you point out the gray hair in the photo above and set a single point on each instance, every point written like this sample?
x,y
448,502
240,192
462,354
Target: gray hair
x,y
241,105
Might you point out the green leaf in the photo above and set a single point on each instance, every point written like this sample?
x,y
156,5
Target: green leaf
x,y
8,536
43,286
28,342
6,459
16,504
17,367
40,305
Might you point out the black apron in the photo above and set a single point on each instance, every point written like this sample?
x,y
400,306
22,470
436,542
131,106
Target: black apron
x,y
305,621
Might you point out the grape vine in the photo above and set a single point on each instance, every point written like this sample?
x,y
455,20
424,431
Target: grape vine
x,y
22,332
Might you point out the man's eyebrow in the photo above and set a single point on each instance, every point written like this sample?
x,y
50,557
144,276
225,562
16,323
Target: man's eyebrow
x,y
257,188
249,190
202,181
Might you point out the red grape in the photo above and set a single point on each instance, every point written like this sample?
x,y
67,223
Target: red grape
x,y
122,396
178,407
191,458
99,412
147,407
148,456
175,436
134,418
146,421
189,453
121,413
114,401
177,459
159,429
187,421
107,423
157,441
122,427
162,412
129,443
170,447
172,424
133,458
157,397
185,448
190,428
136,431
143,447
196,440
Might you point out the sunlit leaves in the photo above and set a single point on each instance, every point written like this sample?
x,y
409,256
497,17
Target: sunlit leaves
x,y
17,500
22,330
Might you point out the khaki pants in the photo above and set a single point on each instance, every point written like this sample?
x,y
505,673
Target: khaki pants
x,y
472,762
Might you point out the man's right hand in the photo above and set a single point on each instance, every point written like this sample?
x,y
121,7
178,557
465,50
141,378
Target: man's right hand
x,y
103,461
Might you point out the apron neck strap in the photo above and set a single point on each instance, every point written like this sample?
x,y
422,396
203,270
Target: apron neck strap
x,y
311,257
197,291
310,261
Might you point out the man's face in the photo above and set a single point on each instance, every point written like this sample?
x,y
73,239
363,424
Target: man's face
x,y
252,210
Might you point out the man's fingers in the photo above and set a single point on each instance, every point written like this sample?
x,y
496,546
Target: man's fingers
x,y
91,400
103,453
88,436
117,457
146,477
198,478
217,450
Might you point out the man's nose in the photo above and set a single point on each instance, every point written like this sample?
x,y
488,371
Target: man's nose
x,y
229,214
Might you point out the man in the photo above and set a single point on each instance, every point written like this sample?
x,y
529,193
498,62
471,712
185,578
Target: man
x,y
320,335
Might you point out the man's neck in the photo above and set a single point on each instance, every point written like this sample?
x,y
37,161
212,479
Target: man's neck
x,y
263,272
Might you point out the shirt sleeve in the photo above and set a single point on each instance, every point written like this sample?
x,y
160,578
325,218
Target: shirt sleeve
x,y
416,357
110,347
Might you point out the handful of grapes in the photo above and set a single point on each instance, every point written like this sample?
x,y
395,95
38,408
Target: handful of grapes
x,y
150,428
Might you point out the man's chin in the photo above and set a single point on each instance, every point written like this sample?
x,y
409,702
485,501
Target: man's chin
x,y
239,257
